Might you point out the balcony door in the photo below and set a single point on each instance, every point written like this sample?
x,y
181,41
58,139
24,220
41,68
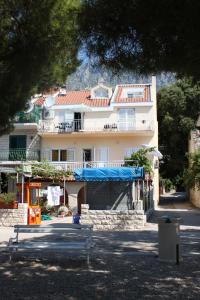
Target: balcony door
x,y
87,158
126,118
77,121
17,147
103,157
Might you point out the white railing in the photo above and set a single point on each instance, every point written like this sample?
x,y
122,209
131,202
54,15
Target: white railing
x,y
71,166
94,125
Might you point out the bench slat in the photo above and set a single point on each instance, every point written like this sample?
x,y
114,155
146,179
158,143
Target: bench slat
x,y
77,226
51,230
50,245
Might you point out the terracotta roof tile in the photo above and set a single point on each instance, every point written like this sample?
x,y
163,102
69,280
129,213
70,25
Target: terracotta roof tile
x,y
39,101
80,97
120,99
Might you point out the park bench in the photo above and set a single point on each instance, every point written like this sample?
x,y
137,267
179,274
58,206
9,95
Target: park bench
x,y
74,238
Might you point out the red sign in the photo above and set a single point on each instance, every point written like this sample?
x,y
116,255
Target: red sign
x,y
35,184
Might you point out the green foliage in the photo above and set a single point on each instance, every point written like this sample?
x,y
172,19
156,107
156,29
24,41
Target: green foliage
x,y
178,109
167,183
7,197
145,36
192,174
140,159
45,170
38,50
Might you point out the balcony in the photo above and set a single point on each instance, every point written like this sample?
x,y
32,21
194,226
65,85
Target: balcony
x,y
94,125
19,155
33,117
71,166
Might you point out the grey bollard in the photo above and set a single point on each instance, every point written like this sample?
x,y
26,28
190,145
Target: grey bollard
x,y
169,239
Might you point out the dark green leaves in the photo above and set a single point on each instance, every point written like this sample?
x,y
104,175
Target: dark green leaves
x,y
38,49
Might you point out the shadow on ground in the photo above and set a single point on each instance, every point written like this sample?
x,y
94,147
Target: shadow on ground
x,y
116,277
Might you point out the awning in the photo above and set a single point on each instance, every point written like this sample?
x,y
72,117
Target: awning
x,y
7,170
109,174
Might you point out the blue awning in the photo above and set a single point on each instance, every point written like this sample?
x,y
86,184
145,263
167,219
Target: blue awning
x,y
109,174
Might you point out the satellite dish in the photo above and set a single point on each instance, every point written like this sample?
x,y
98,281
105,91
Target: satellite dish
x,y
49,101
30,107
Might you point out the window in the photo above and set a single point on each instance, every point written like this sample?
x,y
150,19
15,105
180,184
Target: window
x,y
129,151
17,142
63,155
55,155
133,92
17,147
101,93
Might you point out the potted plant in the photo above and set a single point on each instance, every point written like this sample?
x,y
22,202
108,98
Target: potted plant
x,y
8,200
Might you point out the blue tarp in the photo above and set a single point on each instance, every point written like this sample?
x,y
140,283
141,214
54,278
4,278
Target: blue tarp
x,y
109,174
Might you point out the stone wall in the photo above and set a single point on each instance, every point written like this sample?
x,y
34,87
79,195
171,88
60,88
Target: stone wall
x,y
11,217
113,219
195,197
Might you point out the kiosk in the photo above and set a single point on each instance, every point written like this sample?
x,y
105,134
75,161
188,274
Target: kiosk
x,y
32,198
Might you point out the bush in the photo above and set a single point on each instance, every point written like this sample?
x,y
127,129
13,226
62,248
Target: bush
x,y
7,197
167,183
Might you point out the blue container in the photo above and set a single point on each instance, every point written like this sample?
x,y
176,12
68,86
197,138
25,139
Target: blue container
x,y
76,219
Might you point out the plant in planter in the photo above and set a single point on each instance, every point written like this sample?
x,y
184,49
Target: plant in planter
x,y
140,158
63,210
8,200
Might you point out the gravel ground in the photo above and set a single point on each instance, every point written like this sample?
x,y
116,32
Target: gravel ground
x,y
111,277
125,265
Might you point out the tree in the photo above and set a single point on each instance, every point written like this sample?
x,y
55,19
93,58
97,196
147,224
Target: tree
x,y
178,109
192,174
145,36
38,49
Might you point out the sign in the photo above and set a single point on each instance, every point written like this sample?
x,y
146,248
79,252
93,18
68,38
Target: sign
x,y
35,184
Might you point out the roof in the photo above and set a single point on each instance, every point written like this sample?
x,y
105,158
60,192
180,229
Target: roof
x,y
39,101
80,97
84,96
120,99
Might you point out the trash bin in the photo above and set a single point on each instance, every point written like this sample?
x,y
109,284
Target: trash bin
x,y
169,239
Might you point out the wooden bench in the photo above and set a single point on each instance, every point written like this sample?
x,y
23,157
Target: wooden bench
x,y
64,238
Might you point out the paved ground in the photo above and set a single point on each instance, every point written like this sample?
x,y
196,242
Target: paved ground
x,y
124,266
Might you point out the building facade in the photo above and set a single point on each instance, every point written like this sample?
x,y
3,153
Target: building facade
x,y
93,128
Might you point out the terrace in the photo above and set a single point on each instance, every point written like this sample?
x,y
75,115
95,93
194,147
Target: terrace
x,y
94,125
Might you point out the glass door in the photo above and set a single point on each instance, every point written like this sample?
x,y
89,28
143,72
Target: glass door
x,y
17,147
126,118
103,157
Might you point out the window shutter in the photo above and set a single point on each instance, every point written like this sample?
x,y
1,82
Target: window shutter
x,y
70,155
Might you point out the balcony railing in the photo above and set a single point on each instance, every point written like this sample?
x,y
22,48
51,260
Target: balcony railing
x,y
33,117
94,126
71,166
19,155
